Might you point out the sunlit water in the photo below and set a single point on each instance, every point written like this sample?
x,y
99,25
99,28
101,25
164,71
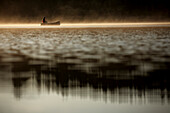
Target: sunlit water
x,y
89,25
122,70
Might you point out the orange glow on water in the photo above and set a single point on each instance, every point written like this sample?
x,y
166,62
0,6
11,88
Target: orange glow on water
x,y
92,24
89,25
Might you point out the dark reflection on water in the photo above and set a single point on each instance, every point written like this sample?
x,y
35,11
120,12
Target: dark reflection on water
x,y
125,86
117,65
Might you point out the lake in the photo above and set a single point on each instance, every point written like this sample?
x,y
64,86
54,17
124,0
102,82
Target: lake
x,y
94,70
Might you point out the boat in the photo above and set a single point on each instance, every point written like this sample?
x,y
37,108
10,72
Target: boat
x,y
52,23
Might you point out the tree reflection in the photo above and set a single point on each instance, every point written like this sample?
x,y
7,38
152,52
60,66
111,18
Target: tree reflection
x,y
121,86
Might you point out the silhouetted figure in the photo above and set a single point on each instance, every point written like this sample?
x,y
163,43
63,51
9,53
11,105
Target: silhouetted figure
x,y
44,21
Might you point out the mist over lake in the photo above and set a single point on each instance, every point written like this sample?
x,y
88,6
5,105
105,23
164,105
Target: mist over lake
x,y
32,11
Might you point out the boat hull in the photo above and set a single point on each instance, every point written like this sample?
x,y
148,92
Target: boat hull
x,y
54,23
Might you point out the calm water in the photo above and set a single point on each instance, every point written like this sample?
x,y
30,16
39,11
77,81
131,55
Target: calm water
x,y
122,70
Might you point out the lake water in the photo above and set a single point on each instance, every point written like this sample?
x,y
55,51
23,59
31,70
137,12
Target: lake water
x,y
80,70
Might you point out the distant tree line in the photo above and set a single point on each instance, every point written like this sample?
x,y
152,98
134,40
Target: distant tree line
x,y
85,10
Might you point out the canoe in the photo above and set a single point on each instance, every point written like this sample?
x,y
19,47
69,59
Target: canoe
x,y
53,23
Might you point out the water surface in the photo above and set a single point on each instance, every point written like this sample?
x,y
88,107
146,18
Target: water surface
x,y
85,70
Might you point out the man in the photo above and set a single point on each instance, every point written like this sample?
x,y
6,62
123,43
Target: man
x,y
44,21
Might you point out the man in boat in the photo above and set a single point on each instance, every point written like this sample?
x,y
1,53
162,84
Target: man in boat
x,y
44,21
